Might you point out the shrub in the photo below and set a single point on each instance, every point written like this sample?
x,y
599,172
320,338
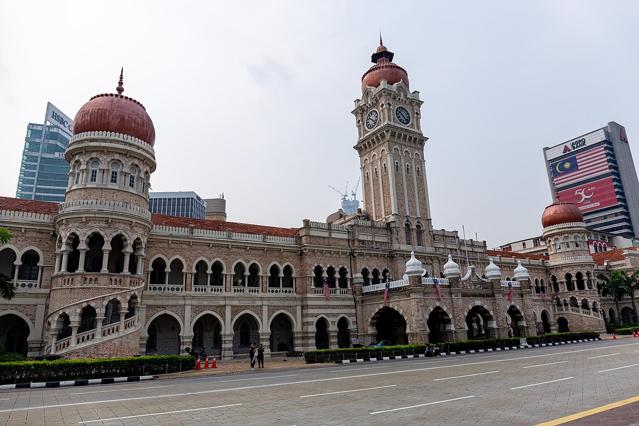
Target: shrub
x,y
77,369
11,356
627,330
332,355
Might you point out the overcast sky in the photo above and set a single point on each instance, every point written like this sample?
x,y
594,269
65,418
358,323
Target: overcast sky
x,y
253,99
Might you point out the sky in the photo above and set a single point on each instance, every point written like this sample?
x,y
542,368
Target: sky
x,y
252,99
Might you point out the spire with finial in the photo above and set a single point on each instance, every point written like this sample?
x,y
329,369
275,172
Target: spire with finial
x,y
381,43
120,87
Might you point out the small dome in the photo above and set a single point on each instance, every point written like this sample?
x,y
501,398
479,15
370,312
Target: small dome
x,y
384,69
414,266
114,112
492,271
521,273
560,212
451,269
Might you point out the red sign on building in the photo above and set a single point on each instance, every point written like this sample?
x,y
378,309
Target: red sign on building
x,y
591,196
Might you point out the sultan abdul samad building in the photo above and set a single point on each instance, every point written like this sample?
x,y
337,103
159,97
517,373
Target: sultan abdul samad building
x,y
99,275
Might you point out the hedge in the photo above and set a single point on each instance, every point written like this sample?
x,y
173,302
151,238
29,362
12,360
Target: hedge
x,y
92,368
11,356
627,330
332,355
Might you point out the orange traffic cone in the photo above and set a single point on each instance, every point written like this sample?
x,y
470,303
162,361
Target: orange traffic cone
x,y
198,364
214,363
614,336
206,363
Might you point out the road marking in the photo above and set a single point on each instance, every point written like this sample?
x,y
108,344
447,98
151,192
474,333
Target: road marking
x,y
347,391
542,383
118,389
157,414
327,379
605,355
618,368
592,411
466,375
422,405
255,378
543,365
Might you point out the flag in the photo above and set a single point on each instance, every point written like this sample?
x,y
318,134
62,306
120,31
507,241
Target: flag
x,y
583,165
437,288
510,291
327,291
386,292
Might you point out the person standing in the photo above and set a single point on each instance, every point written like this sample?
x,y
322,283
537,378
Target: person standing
x,y
260,356
252,355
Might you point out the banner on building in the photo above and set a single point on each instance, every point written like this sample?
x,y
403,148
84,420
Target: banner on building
x,y
591,196
58,118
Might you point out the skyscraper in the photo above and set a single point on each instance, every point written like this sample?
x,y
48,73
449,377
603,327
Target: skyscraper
x,y
44,170
179,203
596,172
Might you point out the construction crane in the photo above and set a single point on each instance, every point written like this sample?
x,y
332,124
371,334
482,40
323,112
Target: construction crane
x,y
349,205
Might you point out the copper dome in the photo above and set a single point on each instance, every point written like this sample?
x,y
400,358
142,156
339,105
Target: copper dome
x,y
114,112
384,69
559,212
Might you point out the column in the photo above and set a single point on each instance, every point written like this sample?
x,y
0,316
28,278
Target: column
x,y
98,328
53,332
58,261
123,313
332,339
105,260
227,346
139,267
82,261
65,260
74,330
265,340
127,259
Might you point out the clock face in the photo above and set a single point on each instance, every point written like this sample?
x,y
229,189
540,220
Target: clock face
x,y
371,119
402,115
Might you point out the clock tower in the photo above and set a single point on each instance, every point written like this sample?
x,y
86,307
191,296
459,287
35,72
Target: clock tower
x,y
390,145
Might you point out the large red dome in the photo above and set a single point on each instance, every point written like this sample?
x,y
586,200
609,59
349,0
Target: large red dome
x,y
384,69
559,212
114,112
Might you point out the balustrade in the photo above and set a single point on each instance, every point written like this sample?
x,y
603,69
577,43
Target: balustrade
x,y
62,344
87,336
281,290
332,291
110,329
25,285
166,288
246,290
206,289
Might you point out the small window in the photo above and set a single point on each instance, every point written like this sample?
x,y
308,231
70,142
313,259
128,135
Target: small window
x,y
417,171
397,166
94,171
131,181
407,169
115,168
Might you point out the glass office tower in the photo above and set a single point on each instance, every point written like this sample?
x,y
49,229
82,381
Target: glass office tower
x,y
181,203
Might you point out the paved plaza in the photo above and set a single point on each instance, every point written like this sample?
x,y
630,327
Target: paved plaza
x,y
518,387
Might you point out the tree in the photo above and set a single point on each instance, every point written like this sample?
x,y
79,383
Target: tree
x,y
7,289
620,284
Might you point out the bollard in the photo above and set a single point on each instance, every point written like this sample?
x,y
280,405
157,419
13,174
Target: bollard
x,y
214,363
198,364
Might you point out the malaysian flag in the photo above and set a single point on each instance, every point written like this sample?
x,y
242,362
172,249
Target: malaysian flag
x,y
579,166
439,290
386,292
327,291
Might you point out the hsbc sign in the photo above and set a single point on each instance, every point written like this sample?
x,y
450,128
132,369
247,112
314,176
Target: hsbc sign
x,y
575,144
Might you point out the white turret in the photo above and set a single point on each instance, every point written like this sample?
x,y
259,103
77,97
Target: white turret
x,y
492,271
414,266
520,272
451,269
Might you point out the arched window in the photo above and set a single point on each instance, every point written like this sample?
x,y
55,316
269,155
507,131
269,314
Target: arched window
x,y
158,271
201,277
330,276
318,279
239,275
554,283
115,170
409,234
217,273
537,288
93,174
274,276
93,259
76,174
115,263
418,235
579,277
133,174
342,281
29,269
366,276
385,275
287,280
570,284
573,302
376,276
584,304
176,273
542,286
254,275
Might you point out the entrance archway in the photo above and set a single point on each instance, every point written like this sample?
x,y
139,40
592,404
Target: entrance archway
x,y
438,323
516,321
164,336
14,332
321,334
390,325
545,320
562,325
477,321
627,316
246,331
207,335
281,334
343,333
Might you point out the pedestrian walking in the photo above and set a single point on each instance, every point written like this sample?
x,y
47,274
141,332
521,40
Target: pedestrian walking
x,y
252,355
260,356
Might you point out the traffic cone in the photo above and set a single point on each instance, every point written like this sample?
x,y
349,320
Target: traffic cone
x,y
614,336
198,364
206,363
214,363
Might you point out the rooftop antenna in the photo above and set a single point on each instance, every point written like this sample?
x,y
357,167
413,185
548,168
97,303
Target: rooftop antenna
x,y
465,245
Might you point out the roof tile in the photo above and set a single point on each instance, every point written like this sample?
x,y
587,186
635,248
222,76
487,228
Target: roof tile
x,y
220,225
28,206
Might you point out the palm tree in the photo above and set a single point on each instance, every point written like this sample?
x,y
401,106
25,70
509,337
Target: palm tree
x,y
7,290
620,284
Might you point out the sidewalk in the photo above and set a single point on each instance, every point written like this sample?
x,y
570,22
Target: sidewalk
x,y
238,366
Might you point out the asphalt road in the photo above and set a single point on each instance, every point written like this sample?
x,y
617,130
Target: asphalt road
x,y
515,387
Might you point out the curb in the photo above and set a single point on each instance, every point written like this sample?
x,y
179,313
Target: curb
x,y
61,383
472,351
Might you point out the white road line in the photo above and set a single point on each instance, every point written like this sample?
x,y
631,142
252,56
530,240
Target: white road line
x,y
421,405
618,368
255,378
347,391
156,414
118,389
605,355
466,375
542,383
327,379
543,365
